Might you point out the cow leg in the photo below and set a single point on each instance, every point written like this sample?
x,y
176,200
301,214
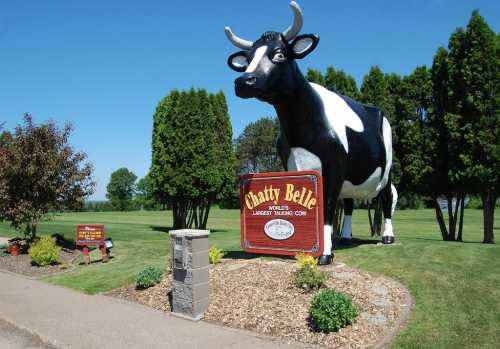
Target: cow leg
x,y
300,159
389,198
346,235
326,257
332,183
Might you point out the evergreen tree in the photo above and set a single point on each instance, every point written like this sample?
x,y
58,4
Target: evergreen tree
x,y
192,159
335,80
374,91
475,66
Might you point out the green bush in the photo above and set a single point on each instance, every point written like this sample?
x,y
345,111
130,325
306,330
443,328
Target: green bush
x,y
215,255
308,276
44,251
331,310
148,277
3,250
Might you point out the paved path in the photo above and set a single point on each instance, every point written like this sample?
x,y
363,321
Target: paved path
x,y
13,338
68,319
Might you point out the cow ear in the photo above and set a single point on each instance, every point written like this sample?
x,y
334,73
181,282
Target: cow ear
x,y
303,45
238,61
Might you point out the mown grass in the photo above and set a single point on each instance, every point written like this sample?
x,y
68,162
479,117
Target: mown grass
x,y
456,285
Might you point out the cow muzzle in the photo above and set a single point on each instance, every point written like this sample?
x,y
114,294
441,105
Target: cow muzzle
x,y
246,86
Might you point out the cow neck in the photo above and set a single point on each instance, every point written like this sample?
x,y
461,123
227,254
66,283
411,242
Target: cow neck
x,y
300,114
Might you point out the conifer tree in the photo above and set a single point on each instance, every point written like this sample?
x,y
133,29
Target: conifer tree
x,y
192,158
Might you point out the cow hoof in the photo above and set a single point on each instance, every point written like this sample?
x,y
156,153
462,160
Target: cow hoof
x,y
325,259
345,242
386,240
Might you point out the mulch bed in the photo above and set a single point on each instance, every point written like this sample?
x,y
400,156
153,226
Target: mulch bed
x,y
259,295
22,264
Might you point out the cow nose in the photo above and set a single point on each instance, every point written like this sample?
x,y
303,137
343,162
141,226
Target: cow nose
x,y
250,79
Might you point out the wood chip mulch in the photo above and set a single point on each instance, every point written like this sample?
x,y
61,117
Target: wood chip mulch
x,y
22,264
259,295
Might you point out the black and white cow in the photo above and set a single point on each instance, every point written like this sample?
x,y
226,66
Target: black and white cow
x,y
350,143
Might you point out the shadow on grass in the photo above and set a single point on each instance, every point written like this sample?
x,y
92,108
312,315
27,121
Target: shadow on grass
x,y
164,229
96,261
353,243
66,244
161,228
441,240
244,255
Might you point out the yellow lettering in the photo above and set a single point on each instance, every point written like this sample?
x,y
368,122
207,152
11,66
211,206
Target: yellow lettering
x,y
247,202
311,203
254,198
289,192
261,197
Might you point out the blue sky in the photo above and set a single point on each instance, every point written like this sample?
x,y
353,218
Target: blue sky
x,y
104,65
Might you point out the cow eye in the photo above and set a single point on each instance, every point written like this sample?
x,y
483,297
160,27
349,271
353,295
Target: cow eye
x,y
278,57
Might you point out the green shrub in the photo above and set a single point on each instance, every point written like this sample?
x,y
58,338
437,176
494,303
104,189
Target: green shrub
x,y
215,255
331,310
308,276
44,251
3,250
148,277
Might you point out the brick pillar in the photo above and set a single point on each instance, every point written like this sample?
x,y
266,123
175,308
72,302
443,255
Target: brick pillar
x,y
190,289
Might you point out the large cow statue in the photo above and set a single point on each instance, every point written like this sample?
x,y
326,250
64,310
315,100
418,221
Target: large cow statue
x,y
350,143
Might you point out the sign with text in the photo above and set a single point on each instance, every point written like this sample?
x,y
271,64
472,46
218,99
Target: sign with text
x,y
282,213
90,235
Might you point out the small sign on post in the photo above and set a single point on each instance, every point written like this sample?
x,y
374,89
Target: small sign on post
x,y
91,235
282,213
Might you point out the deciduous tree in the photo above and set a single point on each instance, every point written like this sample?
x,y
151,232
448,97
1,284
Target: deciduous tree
x,y
121,188
256,147
40,173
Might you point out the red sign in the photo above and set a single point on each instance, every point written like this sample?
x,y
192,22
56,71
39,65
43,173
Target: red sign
x,y
282,213
90,235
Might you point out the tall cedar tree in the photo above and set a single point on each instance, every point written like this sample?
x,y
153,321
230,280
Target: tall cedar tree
x,y
40,173
476,90
444,144
192,156
121,189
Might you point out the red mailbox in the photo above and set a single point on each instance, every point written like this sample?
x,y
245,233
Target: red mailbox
x,y
282,213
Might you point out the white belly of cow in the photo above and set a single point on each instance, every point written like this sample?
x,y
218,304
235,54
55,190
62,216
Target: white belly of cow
x,y
300,159
366,190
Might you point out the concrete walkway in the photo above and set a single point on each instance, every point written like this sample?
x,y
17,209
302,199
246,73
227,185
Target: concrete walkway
x,y
68,319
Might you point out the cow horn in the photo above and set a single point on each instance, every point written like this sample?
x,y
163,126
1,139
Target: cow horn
x,y
294,29
238,42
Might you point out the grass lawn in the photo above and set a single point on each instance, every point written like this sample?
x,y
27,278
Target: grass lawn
x,y
456,285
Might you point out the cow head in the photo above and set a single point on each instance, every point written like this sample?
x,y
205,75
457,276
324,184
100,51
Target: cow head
x,y
268,64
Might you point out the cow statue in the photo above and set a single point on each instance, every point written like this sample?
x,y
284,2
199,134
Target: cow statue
x,y
348,142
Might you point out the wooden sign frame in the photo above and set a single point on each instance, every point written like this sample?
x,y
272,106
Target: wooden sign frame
x,y
285,222
90,241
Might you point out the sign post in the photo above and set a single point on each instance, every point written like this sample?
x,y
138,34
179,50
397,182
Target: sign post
x,y
91,235
282,213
